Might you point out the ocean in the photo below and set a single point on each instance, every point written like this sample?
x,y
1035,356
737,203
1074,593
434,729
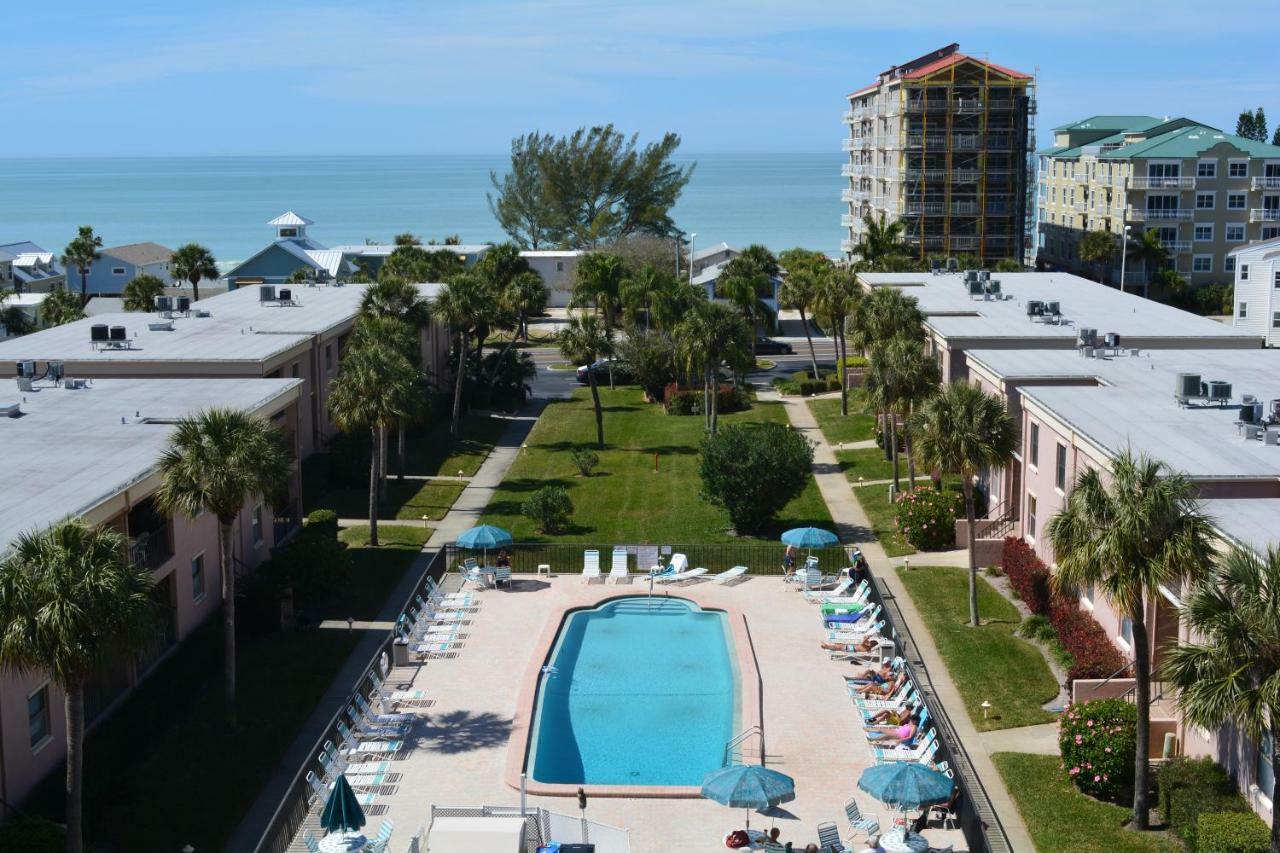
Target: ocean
x,y
780,200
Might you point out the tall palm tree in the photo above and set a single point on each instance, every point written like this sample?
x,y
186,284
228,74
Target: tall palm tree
x,y
746,281
712,333
1147,249
901,376
392,296
880,242
461,305
673,298
376,387
963,430
408,238
806,277
882,315
586,340
1232,674
70,607
193,262
836,301
1129,534
80,254
641,290
213,463
598,282
394,332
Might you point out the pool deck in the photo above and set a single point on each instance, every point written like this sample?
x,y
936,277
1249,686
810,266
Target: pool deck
x,y
458,751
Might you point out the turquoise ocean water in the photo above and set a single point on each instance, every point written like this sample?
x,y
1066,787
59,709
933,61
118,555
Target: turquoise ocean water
x,y
781,200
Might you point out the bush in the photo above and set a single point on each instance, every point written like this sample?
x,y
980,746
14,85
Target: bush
x,y
1036,628
754,470
313,563
688,401
584,460
1097,740
651,358
551,507
1214,299
1191,786
1028,575
1092,653
927,518
684,403
323,521
1232,832
856,361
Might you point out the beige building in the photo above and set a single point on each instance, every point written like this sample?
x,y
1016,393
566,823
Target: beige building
x,y
942,144
1203,192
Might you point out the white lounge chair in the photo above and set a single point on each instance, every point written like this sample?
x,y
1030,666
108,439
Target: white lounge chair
x,y
618,570
818,595
678,577
590,565
730,575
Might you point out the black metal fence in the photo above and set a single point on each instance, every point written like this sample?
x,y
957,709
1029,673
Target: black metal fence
x,y
566,558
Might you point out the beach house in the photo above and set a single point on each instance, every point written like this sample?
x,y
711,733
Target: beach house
x,y
118,265
26,267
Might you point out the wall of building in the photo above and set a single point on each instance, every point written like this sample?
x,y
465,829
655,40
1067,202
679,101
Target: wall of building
x,y
1261,314
558,274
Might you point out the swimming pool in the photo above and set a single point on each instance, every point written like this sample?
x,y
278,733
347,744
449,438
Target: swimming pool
x,y
636,692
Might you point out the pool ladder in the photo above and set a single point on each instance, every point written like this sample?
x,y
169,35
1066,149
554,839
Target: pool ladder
x,y
735,750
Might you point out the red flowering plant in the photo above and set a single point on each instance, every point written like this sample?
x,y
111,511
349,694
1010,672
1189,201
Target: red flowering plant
x,y
927,517
1097,741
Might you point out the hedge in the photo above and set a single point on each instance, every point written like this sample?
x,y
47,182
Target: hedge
x,y
323,521
1097,741
1232,832
1028,575
1190,787
688,401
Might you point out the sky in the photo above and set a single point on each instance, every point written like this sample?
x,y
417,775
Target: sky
x,y
245,77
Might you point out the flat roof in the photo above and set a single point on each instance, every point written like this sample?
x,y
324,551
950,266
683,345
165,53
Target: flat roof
x,y
1133,403
1252,523
239,328
69,451
955,315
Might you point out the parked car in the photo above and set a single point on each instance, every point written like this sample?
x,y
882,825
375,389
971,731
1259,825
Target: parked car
x,y
768,346
621,373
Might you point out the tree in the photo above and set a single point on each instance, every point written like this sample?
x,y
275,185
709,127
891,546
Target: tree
x,y
391,296
140,293
963,430
754,470
376,387
193,262
404,312
746,281
301,275
60,307
1245,124
213,463
837,299
1275,138
807,273
71,607
901,376
882,315
461,305
585,341
372,331
880,242
638,250
590,188
526,295
1149,251
651,358
1129,535
671,299
406,239
15,321
598,282
712,334
1098,247
421,264
1252,125
80,254
1231,672
550,507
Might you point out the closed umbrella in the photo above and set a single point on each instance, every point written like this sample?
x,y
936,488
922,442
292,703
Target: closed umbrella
x,y
342,812
748,786
485,536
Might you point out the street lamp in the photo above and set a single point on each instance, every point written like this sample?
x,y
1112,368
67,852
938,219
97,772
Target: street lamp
x,y
1124,250
693,236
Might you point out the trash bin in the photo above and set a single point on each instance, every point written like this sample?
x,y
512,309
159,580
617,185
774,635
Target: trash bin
x,y
400,652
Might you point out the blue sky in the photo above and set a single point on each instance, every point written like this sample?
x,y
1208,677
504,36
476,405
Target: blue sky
x,y
367,76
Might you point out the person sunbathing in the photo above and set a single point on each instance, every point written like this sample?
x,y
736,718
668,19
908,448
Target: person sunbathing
x,y
866,644
895,735
887,689
889,717
875,676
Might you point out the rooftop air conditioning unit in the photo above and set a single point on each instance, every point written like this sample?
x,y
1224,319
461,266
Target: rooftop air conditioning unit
x,y
182,304
266,293
935,266
975,288
1089,338
984,275
953,265
1219,392
98,333
164,303
56,370
1053,308
1275,410
10,410
286,295
993,287
1034,308
118,334
25,370
1251,411
1188,385
1112,340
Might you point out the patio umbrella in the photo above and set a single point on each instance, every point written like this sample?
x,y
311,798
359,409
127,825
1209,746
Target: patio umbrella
x,y
748,786
810,537
485,536
342,812
906,785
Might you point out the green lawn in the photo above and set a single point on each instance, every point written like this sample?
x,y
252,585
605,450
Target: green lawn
x,y
859,425
142,763
407,500
626,500
1062,820
884,519
987,663
435,453
868,463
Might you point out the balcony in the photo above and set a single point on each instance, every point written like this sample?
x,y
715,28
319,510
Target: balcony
x,y
1146,182
1176,246
852,195
849,117
964,208
1271,182
847,245
1264,214
964,244
930,140
847,220
926,208
1134,214
965,176
1001,104
847,170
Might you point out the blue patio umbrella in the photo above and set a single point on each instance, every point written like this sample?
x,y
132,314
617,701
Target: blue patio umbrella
x,y
342,812
810,537
485,536
906,785
748,786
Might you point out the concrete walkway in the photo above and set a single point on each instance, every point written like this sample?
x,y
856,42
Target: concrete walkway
x,y
853,525
1040,740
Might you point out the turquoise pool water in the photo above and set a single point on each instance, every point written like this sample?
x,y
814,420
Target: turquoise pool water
x,y
637,693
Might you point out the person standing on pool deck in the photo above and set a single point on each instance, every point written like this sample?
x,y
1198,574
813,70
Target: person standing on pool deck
x,y
789,561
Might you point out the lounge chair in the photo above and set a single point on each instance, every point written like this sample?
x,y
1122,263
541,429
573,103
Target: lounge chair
x,y
808,577
896,702
313,846
729,575
829,838
470,571
366,747
379,843
816,595
679,577
858,822
502,575
860,595
362,705
771,847
618,569
590,566
321,790
925,745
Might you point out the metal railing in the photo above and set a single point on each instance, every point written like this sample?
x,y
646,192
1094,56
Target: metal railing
x,y
1150,182
1264,214
568,557
1137,214
1267,182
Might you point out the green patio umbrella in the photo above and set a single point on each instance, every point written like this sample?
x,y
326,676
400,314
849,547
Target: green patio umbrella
x,y
342,812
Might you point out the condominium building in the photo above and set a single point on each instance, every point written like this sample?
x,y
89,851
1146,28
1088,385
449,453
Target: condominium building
x,y
942,144
1203,192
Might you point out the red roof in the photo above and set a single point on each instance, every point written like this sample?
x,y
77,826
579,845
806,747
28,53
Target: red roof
x,y
864,90
948,61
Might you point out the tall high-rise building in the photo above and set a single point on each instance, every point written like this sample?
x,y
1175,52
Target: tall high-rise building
x,y
943,143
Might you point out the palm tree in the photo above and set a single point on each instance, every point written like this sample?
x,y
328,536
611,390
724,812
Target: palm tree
x,y
880,241
394,297
140,293
640,290
882,315
376,387
836,300
80,254
710,334
16,322
461,305
213,463
1129,534
807,273
1149,251
746,281
672,300
901,376
598,282
526,295
407,239
1233,674
60,307
585,341
71,607
962,430
395,332
193,262
1098,247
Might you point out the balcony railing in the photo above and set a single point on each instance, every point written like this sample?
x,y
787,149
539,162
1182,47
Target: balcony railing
x,y
1267,214
150,549
848,195
964,208
847,220
847,170
1176,245
927,208
963,244
1147,182
847,245
965,176
1136,214
1271,182
849,116
926,140
941,105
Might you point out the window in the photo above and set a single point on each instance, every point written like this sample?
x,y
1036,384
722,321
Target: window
x,y
38,718
1033,446
1204,201
295,371
1229,264
1204,233
328,356
1275,280
117,270
257,525
1163,170
1242,311
1235,233
197,578
1060,469
1266,776
1031,516
1207,169
1202,263
1275,319
1238,169
1126,630
1270,232
288,232
1244,272
559,266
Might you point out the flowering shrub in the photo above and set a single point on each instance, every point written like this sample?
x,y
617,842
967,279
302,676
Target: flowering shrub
x,y
1092,651
1097,740
1028,575
927,517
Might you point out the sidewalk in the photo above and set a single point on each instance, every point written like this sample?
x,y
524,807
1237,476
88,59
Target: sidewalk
x,y
853,525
